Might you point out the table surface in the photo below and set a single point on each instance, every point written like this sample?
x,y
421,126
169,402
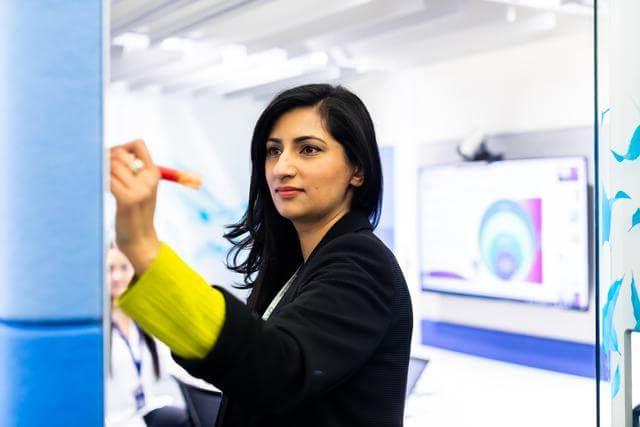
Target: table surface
x,y
461,390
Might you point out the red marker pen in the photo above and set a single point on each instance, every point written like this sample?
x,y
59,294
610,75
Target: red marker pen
x,y
185,178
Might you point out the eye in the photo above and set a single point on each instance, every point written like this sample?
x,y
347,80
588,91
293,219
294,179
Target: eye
x,y
272,151
310,149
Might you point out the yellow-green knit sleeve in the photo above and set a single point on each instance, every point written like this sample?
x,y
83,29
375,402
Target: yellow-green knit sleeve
x,y
176,305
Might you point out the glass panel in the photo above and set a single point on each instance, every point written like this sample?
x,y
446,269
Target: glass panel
x,y
618,149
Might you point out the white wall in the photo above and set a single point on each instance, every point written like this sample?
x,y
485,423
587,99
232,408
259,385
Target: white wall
x,y
542,85
539,86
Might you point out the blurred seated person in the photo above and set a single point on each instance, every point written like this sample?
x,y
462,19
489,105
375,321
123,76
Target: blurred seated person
x,y
140,388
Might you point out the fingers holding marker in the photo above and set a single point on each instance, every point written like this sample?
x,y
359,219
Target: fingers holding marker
x,y
141,154
120,156
137,170
117,187
189,179
121,173
136,159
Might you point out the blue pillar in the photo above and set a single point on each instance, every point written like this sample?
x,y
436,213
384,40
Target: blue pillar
x,y
51,184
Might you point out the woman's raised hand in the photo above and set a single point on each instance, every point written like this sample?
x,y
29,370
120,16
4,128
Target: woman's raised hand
x,y
134,183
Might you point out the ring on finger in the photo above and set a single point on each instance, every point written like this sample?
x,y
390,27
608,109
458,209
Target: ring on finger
x,y
136,165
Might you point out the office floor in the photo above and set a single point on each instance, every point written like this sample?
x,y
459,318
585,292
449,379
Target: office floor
x,y
458,390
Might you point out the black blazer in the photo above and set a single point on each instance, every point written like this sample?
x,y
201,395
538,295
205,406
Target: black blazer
x,y
335,350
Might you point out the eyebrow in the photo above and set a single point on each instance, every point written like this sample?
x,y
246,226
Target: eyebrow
x,y
298,139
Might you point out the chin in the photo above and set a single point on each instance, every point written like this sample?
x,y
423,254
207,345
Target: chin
x,y
288,214
291,214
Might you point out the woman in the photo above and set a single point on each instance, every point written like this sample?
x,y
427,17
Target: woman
x,y
138,381
324,340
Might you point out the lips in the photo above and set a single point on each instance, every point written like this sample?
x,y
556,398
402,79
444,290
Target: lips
x,y
286,188
287,191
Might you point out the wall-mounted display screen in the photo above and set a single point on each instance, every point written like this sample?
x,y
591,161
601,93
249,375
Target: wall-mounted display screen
x,y
514,229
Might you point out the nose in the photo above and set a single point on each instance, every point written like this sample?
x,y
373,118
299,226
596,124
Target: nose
x,y
284,165
118,274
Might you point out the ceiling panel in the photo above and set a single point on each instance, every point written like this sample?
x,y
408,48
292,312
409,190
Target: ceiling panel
x,y
227,46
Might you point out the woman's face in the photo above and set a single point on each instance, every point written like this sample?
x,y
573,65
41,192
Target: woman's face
x,y
309,176
120,272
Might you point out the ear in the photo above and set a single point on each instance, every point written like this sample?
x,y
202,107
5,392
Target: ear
x,y
357,179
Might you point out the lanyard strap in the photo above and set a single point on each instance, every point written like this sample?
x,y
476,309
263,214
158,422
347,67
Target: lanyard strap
x,y
279,295
136,362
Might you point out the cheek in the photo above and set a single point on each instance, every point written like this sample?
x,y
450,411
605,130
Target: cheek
x,y
268,175
119,288
329,180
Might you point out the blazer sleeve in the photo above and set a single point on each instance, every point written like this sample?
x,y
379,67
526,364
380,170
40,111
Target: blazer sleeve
x,y
312,344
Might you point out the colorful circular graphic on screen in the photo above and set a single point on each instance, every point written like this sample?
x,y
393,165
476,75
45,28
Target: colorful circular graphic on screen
x,y
508,241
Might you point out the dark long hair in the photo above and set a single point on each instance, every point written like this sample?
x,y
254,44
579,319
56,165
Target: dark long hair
x,y
270,239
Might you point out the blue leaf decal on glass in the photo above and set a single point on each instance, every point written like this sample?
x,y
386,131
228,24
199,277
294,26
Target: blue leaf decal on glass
x,y
606,206
621,195
619,157
635,302
615,383
635,219
633,152
609,336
